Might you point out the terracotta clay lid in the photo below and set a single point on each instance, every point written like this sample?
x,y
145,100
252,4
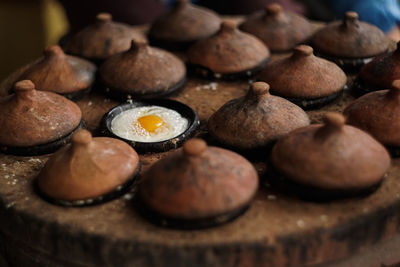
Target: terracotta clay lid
x,y
330,159
88,171
378,113
198,186
102,39
350,42
380,72
255,120
183,25
230,53
142,72
60,73
36,122
279,29
304,79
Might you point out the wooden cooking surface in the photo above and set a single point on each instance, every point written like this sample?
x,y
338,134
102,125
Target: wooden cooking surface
x,y
277,230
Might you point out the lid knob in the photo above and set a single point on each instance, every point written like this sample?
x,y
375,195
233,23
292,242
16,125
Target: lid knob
x,y
194,147
104,17
53,50
303,51
350,18
334,120
82,137
138,43
260,88
395,89
228,26
273,9
24,86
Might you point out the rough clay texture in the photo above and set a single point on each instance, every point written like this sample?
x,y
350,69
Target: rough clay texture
x,y
103,39
331,157
142,70
60,73
350,39
34,117
280,31
108,163
228,51
186,186
255,120
303,75
377,113
185,23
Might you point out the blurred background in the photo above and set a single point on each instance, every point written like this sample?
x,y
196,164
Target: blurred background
x,y
27,26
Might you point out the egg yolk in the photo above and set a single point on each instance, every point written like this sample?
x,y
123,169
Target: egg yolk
x,y
150,122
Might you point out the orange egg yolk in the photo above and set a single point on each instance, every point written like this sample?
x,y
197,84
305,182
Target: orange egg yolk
x,y
150,122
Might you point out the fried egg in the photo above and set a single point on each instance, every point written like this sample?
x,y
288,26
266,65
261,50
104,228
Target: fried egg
x,y
149,124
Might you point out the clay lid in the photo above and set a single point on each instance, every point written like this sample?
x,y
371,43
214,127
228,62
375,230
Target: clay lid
x,y
30,117
331,156
199,182
88,168
350,38
102,39
229,51
60,73
185,23
142,70
382,70
378,113
303,75
279,29
258,118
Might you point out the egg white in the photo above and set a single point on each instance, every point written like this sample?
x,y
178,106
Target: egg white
x,y
126,124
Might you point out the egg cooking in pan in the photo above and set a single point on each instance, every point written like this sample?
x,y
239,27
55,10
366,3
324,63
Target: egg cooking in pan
x,y
149,124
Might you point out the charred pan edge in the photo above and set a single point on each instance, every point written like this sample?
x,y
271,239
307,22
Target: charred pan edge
x,y
123,95
162,146
314,103
43,148
78,95
209,74
185,224
349,65
118,191
170,44
360,87
312,193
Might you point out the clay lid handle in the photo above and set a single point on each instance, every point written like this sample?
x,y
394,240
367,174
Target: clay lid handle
x,y
24,89
228,26
273,10
103,17
394,92
136,45
302,51
333,123
258,89
350,19
81,138
53,51
194,147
